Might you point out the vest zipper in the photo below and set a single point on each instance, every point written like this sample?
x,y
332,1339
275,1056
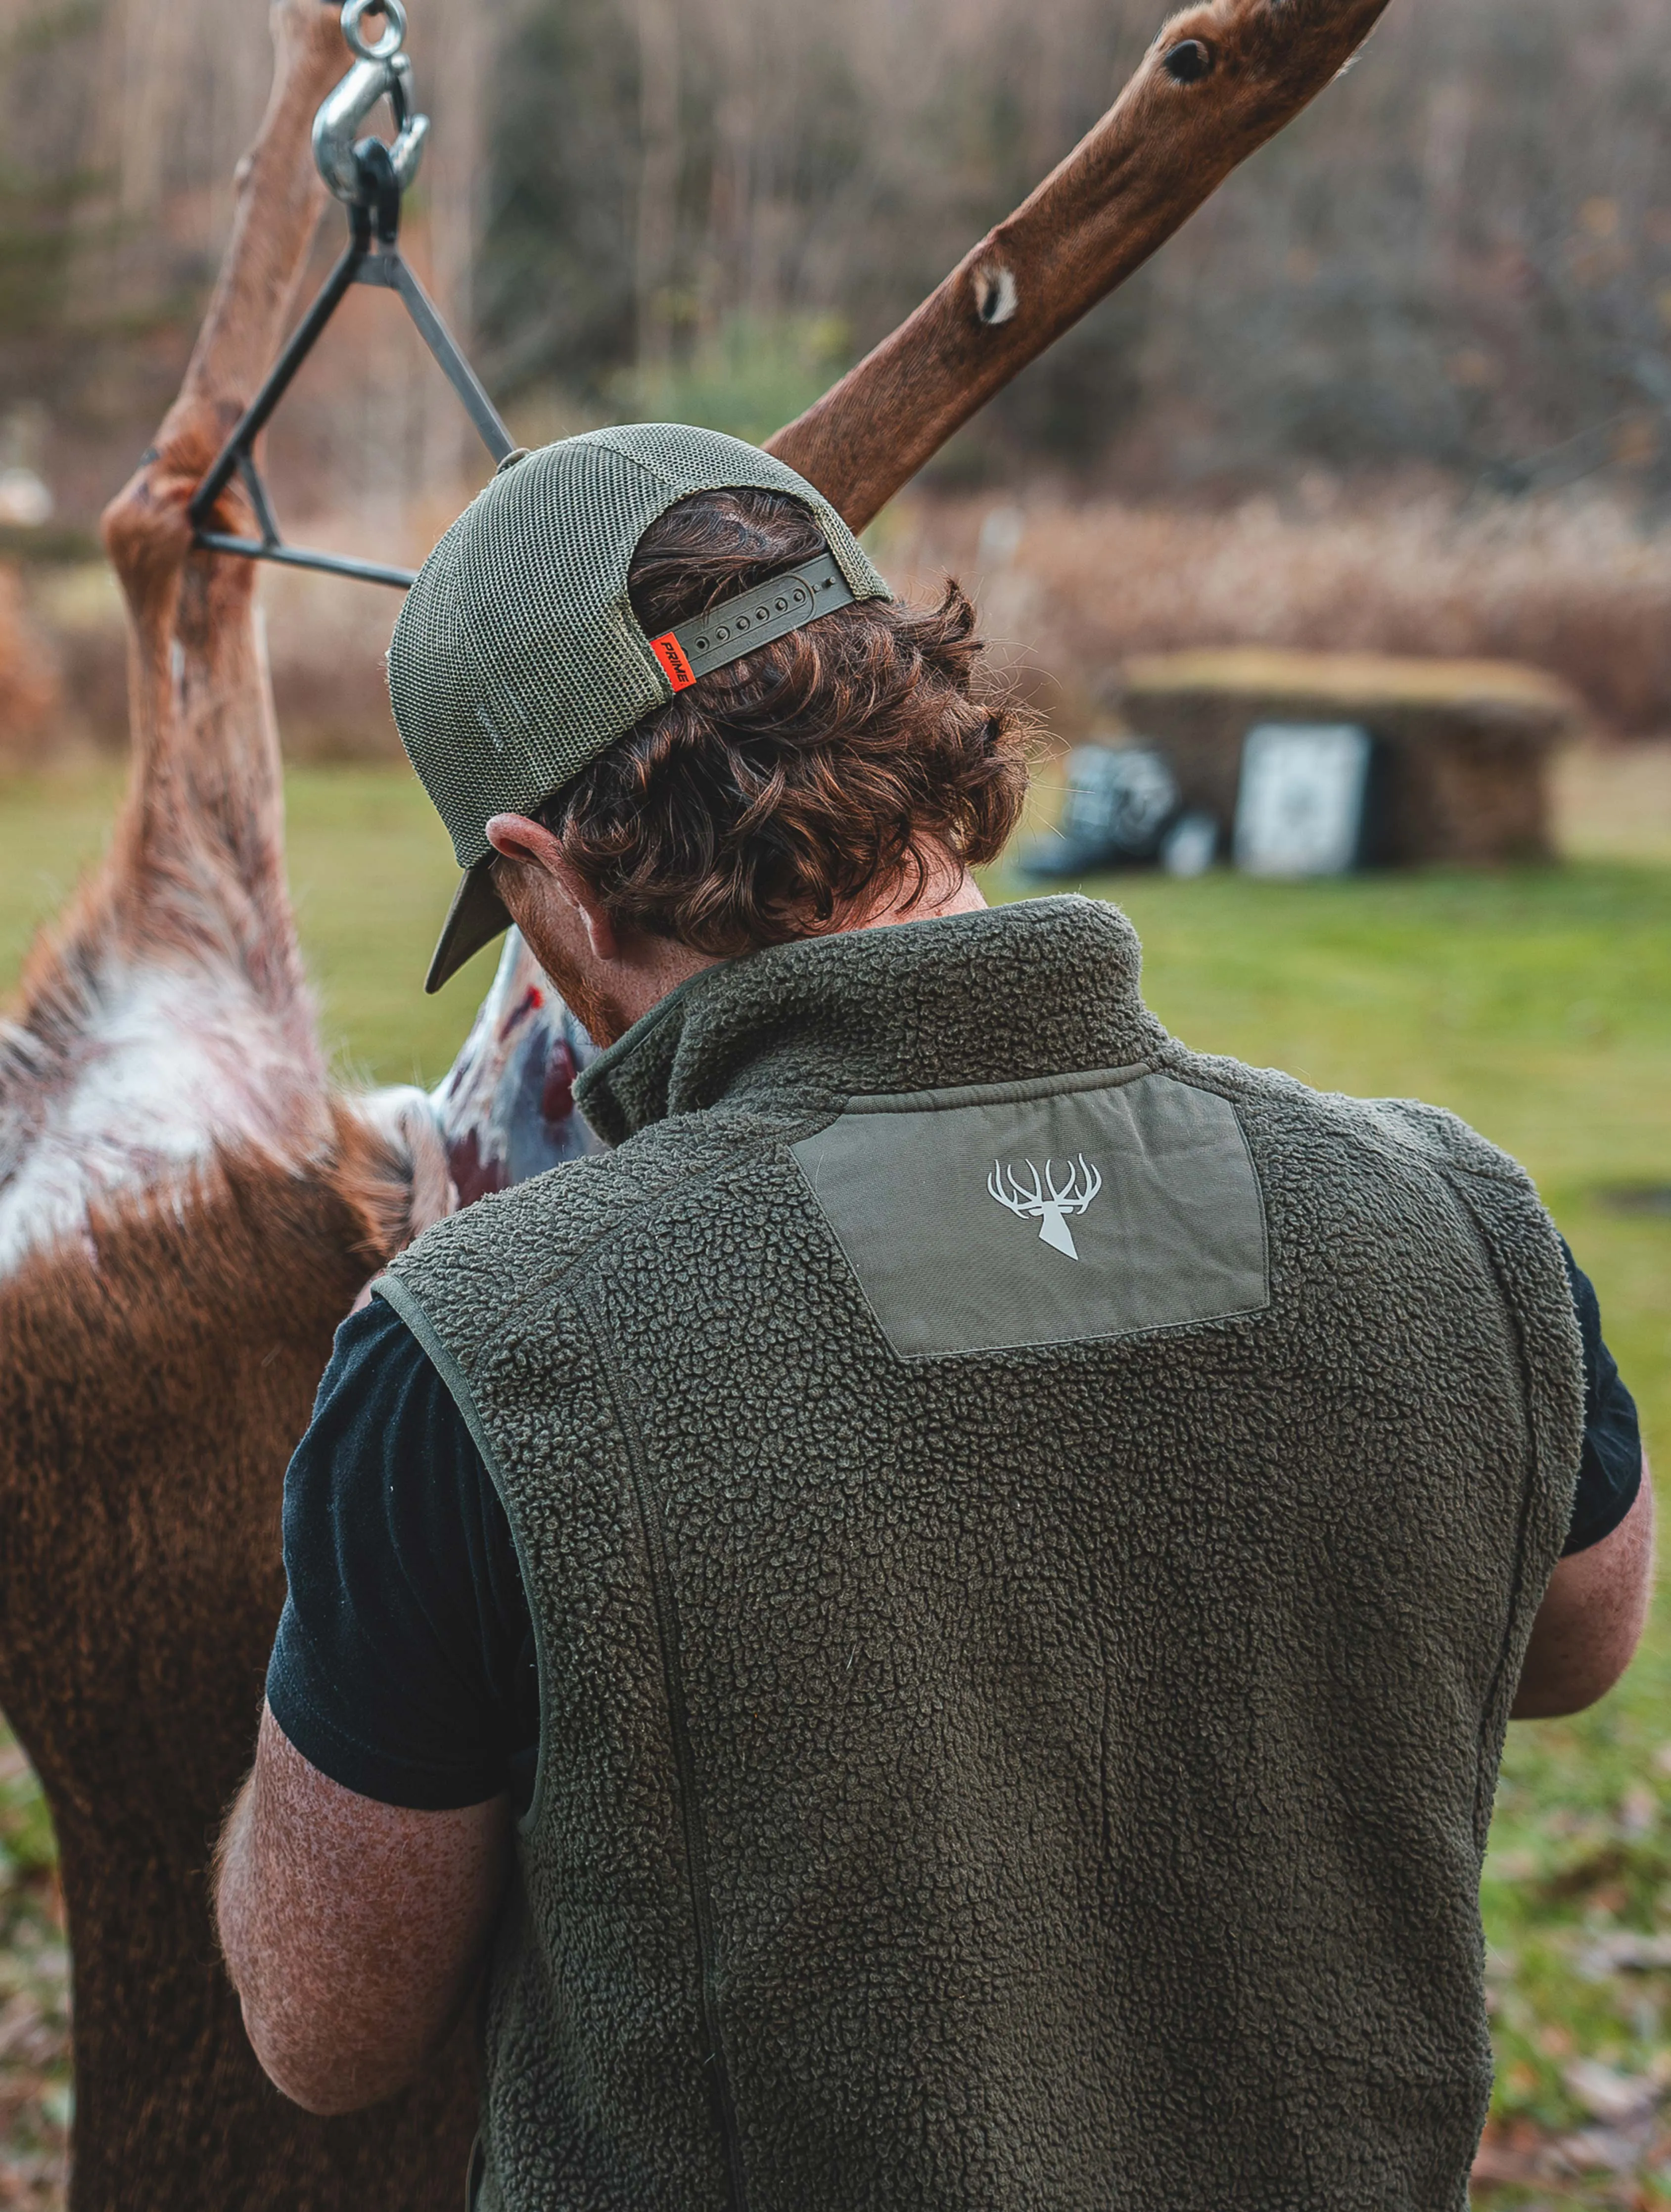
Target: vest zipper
x,y
684,1766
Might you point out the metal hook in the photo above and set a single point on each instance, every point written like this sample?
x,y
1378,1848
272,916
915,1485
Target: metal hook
x,y
394,35
383,73
370,177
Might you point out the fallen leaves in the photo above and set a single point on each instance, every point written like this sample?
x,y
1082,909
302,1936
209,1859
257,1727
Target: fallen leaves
x,y
36,2099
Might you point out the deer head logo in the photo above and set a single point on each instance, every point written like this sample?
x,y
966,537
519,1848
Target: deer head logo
x,y
1039,1200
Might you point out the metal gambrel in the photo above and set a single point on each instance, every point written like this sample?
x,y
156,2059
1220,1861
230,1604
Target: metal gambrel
x,y
370,178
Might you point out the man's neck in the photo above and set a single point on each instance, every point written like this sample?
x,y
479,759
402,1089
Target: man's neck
x,y
657,966
950,893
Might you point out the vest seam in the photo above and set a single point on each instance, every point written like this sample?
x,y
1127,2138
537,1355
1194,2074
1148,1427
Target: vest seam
x,y
1259,1193
557,1283
1533,1466
665,1602
446,1364
1016,1090
1382,1142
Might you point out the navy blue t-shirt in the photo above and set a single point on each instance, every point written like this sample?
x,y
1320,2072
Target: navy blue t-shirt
x,y
405,1666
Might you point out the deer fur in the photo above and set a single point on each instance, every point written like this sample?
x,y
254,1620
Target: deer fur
x,y
185,1214
159,1366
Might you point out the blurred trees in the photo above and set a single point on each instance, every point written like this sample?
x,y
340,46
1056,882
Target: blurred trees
x,y
121,122
1459,259
1461,256
676,178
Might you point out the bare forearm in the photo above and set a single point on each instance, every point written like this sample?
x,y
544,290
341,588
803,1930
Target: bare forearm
x,y
285,2017
233,1902
1591,1619
354,1931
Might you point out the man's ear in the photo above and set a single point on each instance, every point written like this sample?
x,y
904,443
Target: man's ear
x,y
529,845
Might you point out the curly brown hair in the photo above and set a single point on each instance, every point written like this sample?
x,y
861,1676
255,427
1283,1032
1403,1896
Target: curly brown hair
x,y
847,762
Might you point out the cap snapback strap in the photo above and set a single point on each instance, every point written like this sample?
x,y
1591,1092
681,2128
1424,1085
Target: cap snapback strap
x,y
735,626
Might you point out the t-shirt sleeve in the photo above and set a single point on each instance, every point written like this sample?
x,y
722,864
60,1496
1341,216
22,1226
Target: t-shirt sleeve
x,y
404,1666
1610,1467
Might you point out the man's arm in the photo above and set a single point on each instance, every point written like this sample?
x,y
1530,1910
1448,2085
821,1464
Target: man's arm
x,y
355,1931
1591,1619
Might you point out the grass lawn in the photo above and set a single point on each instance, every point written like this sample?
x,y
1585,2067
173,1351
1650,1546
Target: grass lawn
x,y
1537,1004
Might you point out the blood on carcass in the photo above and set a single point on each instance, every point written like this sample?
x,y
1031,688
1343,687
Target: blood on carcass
x,y
506,1108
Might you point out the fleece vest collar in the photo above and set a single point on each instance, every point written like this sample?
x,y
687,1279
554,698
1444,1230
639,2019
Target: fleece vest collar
x,y
885,1011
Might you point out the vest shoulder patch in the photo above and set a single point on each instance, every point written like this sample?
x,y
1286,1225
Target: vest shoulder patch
x,y
984,1220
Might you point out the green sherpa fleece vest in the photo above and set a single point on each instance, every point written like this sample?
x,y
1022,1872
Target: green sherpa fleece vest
x,y
1031,1535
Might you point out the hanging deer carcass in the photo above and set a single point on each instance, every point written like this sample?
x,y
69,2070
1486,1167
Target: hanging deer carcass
x,y
187,1209
186,1213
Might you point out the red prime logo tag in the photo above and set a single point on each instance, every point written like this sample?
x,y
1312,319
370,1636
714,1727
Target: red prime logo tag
x,y
671,653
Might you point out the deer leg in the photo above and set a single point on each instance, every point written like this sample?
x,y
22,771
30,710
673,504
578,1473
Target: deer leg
x,y
148,1402
206,778
166,1012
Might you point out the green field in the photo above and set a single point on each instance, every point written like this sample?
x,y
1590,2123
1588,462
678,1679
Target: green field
x,y
1537,1004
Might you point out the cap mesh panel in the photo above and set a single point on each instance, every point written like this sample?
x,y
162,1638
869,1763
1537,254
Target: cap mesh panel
x,y
517,658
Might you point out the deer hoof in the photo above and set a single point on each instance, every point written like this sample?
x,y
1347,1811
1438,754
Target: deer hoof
x,y
1189,62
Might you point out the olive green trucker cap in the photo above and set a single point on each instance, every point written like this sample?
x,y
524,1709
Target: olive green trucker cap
x,y
517,658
